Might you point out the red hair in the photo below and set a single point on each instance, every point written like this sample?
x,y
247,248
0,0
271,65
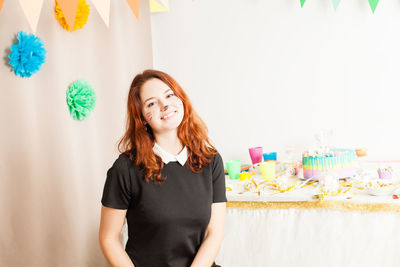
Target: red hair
x,y
138,140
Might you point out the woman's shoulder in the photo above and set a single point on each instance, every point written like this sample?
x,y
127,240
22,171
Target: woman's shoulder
x,y
126,159
215,157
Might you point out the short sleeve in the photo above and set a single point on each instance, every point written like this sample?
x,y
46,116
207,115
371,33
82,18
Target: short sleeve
x,y
218,173
117,192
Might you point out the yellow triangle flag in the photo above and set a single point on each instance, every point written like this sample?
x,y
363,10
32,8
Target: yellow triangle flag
x,y
32,10
103,7
1,4
134,5
156,7
69,8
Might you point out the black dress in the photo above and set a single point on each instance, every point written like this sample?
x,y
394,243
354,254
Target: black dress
x,y
167,221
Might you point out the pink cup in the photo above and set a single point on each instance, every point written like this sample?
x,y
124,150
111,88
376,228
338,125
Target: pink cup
x,y
384,174
256,154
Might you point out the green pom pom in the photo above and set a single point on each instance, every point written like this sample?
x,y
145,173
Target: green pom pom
x,y
81,99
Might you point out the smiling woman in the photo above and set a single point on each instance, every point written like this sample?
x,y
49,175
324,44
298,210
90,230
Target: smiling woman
x,y
169,182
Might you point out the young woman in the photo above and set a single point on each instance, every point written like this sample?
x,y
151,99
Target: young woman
x,y
168,182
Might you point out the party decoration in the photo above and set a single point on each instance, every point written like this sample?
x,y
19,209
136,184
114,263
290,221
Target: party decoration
x,y
158,6
361,152
69,8
1,4
373,4
335,4
81,99
32,10
134,5
385,173
302,2
103,7
28,55
164,3
82,15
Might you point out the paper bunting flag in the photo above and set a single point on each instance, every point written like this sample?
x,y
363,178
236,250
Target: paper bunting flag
x,y
335,4
69,8
103,7
81,17
158,6
164,3
32,10
373,4
134,5
302,2
1,4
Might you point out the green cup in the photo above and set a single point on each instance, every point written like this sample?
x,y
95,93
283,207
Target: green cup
x,y
233,167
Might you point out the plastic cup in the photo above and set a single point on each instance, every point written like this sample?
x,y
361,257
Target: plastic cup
x,y
269,156
233,167
244,176
256,154
268,170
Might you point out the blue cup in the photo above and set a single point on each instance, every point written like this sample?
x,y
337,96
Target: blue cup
x,y
269,156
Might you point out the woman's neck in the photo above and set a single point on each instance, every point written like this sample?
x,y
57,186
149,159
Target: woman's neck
x,y
169,142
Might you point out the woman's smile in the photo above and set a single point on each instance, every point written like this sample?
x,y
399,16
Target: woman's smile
x,y
168,115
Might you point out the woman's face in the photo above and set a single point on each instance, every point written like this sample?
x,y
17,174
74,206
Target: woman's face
x,y
161,109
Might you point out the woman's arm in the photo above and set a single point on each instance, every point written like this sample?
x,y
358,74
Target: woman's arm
x,y
111,223
213,237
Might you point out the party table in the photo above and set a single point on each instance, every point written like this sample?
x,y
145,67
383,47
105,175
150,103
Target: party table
x,y
296,229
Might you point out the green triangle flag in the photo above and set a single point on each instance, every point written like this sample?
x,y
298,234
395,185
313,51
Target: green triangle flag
x,y
373,4
335,4
302,2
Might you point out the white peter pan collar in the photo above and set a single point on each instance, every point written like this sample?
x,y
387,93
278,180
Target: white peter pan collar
x,y
167,157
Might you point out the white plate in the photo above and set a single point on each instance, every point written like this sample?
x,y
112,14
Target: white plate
x,y
382,191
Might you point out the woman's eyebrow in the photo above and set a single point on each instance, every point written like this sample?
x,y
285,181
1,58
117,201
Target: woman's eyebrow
x,y
153,97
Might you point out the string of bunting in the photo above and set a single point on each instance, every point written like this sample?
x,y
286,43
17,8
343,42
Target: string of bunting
x,y
335,3
76,12
70,10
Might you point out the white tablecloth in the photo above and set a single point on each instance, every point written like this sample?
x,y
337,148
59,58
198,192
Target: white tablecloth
x,y
315,237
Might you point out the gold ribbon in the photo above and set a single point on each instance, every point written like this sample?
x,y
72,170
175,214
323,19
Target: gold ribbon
x,y
326,204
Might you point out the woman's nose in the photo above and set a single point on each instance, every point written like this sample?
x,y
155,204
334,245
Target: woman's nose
x,y
164,106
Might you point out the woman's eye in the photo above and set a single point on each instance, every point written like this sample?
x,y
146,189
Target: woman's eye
x,y
151,104
170,95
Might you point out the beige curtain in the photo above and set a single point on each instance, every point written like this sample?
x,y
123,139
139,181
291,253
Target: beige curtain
x,y
52,168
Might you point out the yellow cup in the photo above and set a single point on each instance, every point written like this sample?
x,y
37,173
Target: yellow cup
x,y
244,176
268,170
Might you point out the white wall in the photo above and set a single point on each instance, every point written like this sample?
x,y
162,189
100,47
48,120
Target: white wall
x,y
272,74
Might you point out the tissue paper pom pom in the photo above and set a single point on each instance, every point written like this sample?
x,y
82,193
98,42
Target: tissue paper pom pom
x,y
81,99
28,55
82,14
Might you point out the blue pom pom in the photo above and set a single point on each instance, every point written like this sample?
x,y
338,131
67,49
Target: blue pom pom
x,y
28,55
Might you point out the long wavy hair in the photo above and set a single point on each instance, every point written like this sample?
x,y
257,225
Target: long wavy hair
x,y
138,140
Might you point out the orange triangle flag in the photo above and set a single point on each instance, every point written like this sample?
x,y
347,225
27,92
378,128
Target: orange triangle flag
x,y
134,4
69,8
1,4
